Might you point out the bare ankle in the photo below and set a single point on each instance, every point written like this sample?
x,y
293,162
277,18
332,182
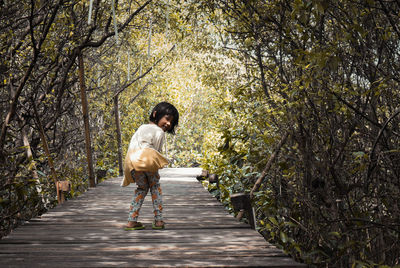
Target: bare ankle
x,y
159,223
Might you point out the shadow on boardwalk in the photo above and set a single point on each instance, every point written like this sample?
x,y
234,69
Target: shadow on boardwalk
x,y
87,232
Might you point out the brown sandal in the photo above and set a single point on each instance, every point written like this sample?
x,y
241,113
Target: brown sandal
x,y
134,226
158,225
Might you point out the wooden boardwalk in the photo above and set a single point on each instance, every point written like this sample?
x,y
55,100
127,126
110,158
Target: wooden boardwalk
x,y
87,232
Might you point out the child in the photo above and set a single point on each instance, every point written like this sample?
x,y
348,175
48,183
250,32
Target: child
x,y
143,161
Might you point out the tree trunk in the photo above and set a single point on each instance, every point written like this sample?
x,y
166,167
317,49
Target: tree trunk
x,y
119,139
46,149
92,182
31,161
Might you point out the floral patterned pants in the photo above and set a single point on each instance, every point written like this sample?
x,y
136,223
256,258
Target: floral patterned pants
x,y
145,181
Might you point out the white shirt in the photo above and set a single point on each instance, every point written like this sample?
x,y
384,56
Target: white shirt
x,y
147,136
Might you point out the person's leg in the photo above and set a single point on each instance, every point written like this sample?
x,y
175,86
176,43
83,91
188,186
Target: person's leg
x,y
140,194
156,197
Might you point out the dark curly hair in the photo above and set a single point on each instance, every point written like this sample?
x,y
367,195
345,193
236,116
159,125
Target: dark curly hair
x,y
162,109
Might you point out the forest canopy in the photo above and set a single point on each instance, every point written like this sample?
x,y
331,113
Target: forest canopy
x,y
298,98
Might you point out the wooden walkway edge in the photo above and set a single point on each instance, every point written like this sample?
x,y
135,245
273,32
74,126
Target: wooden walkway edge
x,y
87,232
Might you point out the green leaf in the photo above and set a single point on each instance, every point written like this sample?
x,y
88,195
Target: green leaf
x,y
273,220
41,173
337,234
284,237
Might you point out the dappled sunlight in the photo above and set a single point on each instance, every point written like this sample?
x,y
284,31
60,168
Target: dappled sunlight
x,y
199,232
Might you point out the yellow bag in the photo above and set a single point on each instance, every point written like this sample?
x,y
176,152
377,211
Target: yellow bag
x,y
146,159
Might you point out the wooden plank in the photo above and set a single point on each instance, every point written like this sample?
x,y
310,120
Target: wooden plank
x,y
88,232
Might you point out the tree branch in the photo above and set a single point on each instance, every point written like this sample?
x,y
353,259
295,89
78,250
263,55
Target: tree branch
x,y
144,74
109,34
268,165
